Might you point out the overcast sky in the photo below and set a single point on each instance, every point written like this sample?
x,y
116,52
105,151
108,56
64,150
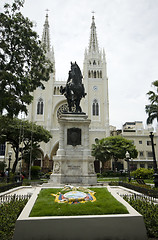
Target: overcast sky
x,y
126,29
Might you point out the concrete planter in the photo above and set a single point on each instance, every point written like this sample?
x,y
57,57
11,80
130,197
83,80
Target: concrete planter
x,y
108,227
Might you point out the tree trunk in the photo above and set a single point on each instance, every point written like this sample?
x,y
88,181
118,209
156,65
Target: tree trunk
x,y
115,164
16,160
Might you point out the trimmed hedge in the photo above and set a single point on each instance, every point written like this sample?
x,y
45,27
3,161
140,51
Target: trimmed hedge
x,y
144,189
111,174
9,212
35,172
8,186
149,211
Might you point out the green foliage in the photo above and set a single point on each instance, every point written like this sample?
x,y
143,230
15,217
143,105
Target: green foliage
x,y
152,108
2,166
149,211
113,147
113,174
35,172
17,131
99,175
101,150
116,179
23,64
9,212
47,175
143,173
105,204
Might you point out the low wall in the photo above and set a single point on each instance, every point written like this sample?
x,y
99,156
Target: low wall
x,y
93,227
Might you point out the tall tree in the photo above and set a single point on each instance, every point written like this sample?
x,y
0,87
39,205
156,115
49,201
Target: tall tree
x,y
22,135
114,148
23,64
152,108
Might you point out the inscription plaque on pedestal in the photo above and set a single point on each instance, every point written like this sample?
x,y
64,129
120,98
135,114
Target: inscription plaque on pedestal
x,y
74,136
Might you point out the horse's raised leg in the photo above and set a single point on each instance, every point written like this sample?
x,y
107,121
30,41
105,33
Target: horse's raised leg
x,y
69,104
78,108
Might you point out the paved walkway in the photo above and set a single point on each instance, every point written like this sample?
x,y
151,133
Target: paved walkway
x,y
126,191
24,190
122,190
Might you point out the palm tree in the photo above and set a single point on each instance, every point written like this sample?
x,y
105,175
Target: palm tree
x,y
152,108
152,111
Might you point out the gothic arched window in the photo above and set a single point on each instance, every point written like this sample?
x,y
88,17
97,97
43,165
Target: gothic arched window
x,y
40,107
95,108
55,91
2,149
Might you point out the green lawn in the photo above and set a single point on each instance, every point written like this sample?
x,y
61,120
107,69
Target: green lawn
x,y
116,179
107,179
105,204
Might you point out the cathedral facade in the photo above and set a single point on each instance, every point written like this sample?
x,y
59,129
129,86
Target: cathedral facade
x,y
48,104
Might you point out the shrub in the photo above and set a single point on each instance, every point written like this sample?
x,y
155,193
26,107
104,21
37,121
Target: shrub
x,y
47,175
149,211
143,173
2,166
9,212
12,177
35,172
99,175
113,174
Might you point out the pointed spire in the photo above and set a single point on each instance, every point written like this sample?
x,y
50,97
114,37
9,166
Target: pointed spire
x,y
103,54
85,53
93,43
45,36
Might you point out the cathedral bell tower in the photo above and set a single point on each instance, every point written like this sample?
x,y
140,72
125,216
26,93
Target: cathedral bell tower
x,y
96,103
39,110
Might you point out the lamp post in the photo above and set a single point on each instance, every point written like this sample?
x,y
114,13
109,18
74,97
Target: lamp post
x,y
9,154
128,167
154,160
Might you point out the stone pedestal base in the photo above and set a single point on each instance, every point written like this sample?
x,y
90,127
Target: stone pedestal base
x,y
73,163
60,179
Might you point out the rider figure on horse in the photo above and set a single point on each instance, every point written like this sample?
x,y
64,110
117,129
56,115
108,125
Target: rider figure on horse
x,y
74,90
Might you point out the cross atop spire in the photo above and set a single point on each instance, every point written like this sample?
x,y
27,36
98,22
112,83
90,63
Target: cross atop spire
x,y
47,10
93,43
45,36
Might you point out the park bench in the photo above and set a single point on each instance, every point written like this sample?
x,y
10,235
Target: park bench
x,y
140,181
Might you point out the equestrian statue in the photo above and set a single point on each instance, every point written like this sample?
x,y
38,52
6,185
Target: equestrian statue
x,y
74,90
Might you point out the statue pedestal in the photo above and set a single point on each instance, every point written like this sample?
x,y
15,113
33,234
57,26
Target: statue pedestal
x,y
73,163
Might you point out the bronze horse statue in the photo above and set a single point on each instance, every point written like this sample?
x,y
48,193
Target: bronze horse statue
x,y
74,89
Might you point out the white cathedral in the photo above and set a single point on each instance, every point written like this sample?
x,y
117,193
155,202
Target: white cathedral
x,y
48,104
